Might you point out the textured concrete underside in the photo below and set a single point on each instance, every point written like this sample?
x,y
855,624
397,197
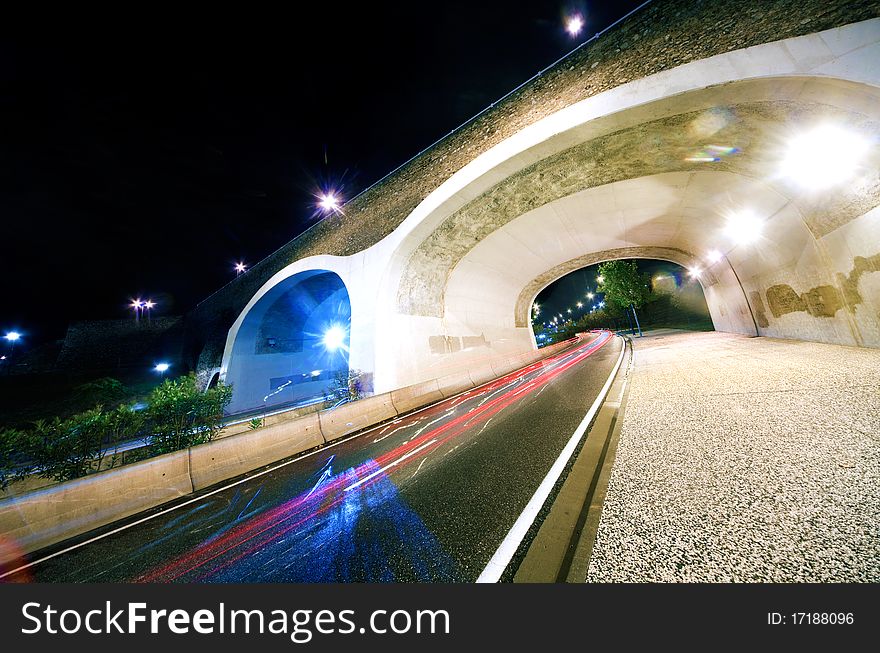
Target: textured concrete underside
x,y
652,148
745,460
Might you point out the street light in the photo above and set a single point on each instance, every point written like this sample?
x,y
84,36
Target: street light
x,y
240,267
161,368
743,227
13,336
334,338
574,24
328,202
600,279
713,256
824,156
590,295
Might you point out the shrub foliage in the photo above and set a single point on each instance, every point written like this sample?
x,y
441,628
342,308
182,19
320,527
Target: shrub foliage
x,y
178,415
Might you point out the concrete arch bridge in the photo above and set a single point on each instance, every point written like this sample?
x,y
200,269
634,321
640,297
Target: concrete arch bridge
x,y
733,138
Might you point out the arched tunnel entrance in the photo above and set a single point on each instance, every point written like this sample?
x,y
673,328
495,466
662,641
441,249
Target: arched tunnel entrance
x,y
767,186
578,301
291,344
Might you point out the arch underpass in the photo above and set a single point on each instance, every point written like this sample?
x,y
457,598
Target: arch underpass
x,y
675,179
291,343
692,165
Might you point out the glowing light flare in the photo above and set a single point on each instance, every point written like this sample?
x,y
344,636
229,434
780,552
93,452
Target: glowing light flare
x,y
240,267
580,304
713,256
149,304
823,157
694,273
590,295
328,202
574,24
712,154
162,367
600,279
334,338
743,227
13,336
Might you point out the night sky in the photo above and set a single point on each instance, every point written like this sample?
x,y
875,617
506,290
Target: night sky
x,y
147,157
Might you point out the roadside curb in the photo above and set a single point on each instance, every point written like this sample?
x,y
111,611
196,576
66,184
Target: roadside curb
x,y
561,548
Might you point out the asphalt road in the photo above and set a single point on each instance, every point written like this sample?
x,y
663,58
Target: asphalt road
x,y
427,497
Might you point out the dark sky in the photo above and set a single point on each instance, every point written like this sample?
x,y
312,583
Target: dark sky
x,y
144,155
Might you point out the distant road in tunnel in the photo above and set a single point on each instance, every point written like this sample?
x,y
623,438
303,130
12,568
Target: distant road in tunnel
x,y
427,497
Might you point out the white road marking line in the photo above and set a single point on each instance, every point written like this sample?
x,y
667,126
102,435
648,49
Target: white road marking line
x,y
480,388
502,557
389,465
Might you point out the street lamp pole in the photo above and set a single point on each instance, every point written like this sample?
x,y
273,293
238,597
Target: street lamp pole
x,y
633,307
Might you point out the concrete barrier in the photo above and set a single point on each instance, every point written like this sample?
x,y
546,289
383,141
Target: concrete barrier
x,y
502,366
481,374
53,514
46,516
220,460
357,415
415,396
452,384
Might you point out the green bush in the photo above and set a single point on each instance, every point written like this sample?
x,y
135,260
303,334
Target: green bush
x,y
105,391
11,456
180,415
69,448
64,449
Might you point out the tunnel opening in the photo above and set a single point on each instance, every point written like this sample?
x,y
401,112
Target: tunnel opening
x,y
292,345
579,301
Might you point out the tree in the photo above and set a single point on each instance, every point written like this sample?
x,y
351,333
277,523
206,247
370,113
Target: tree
x,y
624,286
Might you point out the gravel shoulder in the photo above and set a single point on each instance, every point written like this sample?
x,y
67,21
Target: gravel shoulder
x,y
745,460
